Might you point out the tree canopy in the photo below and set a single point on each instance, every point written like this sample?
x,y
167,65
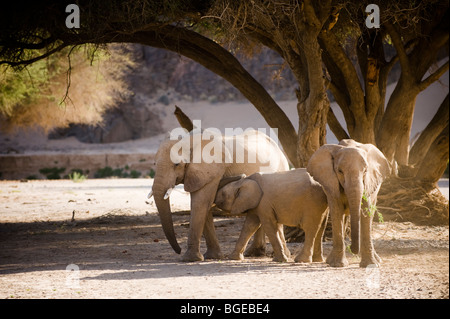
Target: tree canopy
x,y
326,44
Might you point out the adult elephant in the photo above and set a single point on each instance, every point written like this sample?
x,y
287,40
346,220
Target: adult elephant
x,y
199,160
351,174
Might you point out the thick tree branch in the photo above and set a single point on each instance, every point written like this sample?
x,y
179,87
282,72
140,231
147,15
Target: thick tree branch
x,y
399,47
433,77
35,59
343,63
430,133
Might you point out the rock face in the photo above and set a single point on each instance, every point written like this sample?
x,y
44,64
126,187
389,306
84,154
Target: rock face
x,y
127,122
163,77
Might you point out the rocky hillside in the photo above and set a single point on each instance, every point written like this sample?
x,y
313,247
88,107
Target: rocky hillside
x,y
161,77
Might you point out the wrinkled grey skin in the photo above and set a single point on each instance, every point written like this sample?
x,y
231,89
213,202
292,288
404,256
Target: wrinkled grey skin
x,y
201,181
347,172
291,198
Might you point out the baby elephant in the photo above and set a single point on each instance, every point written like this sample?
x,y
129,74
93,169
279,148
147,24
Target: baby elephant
x,y
291,198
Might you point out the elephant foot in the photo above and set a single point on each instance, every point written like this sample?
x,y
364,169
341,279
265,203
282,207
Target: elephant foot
x,y
377,257
370,261
255,252
236,256
213,254
318,259
337,259
287,252
283,258
303,259
192,256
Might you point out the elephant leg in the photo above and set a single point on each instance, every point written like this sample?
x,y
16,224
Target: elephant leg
x,y
318,251
271,229
258,246
283,240
212,244
307,252
337,256
251,225
201,201
368,254
312,226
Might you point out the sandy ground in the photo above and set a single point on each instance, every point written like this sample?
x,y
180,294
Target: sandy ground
x,y
102,239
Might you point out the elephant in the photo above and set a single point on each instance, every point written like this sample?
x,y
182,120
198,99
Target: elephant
x,y
200,167
351,174
291,198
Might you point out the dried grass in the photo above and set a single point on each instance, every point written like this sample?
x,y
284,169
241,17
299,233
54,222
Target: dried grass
x,y
79,92
402,199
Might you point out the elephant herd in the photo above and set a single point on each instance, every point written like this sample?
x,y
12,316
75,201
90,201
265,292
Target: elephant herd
x,y
249,173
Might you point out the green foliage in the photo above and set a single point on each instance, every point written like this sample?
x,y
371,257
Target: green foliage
x,y
77,176
135,174
21,87
370,209
75,85
52,172
108,172
118,172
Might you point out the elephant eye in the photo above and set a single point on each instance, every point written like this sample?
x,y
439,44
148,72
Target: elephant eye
x,y
176,164
237,193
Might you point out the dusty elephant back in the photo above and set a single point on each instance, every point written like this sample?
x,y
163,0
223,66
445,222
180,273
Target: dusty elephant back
x,y
267,157
295,194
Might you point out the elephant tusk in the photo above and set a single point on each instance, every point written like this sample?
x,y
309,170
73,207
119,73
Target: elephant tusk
x,y
166,196
150,194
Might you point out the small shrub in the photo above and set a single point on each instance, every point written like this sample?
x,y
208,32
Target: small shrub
x,y
77,177
108,172
135,174
52,172
118,172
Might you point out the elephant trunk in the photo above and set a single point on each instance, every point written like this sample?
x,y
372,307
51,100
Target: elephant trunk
x,y
355,193
165,214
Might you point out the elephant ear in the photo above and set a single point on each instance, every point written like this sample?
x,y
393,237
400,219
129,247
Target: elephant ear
x,y
378,168
247,195
321,167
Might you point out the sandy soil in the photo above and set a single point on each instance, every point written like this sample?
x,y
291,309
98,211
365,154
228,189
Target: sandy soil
x,y
102,239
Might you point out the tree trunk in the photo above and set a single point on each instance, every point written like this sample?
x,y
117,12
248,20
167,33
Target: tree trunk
x,y
313,106
393,134
436,160
431,132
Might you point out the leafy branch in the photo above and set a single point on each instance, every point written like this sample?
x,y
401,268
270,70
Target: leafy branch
x,y
370,209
